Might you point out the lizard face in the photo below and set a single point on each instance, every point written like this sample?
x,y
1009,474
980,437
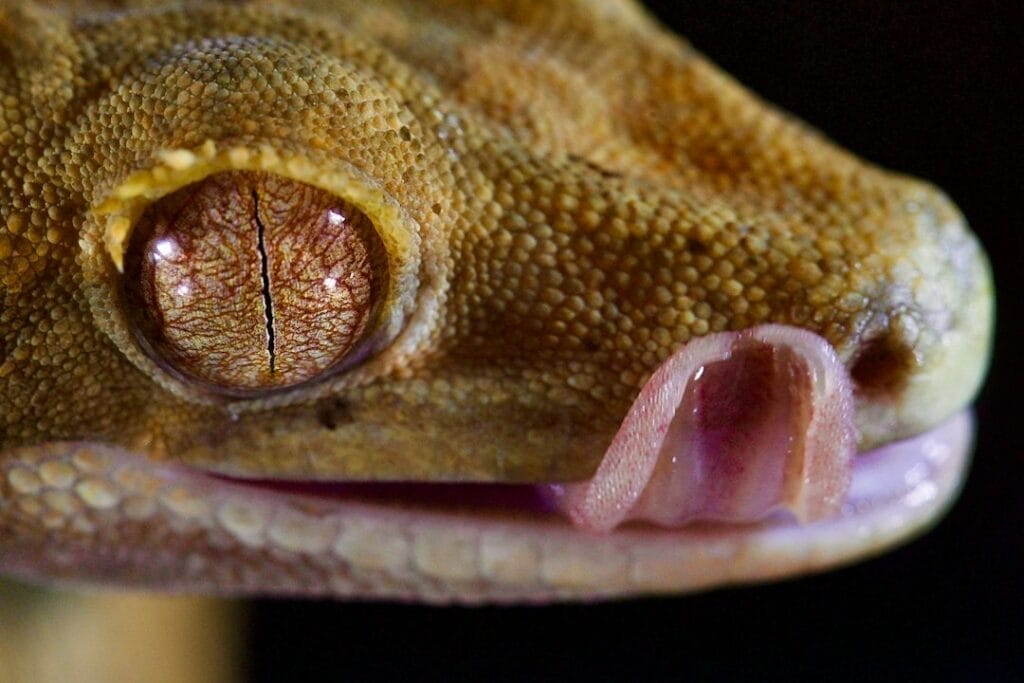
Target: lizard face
x,y
410,300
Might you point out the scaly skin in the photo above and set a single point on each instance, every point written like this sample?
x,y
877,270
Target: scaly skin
x,y
568,194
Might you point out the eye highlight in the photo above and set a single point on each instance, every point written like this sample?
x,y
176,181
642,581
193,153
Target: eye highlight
x,y
249,281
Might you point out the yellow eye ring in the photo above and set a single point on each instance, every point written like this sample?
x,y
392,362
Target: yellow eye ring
x,y
390,237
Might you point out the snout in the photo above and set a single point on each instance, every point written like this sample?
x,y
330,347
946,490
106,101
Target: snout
x,y
920,348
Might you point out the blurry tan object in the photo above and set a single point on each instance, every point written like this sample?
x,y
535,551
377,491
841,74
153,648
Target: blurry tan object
x,y
64,636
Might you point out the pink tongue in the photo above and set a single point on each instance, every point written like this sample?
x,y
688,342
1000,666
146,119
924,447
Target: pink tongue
x,y
733,426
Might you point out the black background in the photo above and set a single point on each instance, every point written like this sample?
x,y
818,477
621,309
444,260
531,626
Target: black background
x,y
929,88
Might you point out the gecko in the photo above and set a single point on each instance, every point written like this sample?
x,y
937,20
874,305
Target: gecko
x,y
448,301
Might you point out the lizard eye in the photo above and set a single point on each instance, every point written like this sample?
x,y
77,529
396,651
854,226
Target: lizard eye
x,y
248,281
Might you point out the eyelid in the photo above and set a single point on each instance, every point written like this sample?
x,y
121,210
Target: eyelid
x,y
106,234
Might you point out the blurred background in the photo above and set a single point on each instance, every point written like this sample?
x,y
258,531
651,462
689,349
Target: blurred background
x,y
930,88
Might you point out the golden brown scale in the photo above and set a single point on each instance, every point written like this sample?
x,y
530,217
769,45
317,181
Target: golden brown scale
x,y
565,193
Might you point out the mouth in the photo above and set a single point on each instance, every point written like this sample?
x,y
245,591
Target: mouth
x,y
735,464
514,543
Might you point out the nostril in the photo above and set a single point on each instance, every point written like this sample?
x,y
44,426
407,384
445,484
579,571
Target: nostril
x,y
882,368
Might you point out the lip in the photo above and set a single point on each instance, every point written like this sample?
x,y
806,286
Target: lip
x,y
121,519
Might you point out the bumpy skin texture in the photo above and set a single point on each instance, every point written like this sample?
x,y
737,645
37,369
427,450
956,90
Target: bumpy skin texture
x,y
568,194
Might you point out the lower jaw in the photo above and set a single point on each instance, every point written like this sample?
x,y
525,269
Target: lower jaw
x,y
123,520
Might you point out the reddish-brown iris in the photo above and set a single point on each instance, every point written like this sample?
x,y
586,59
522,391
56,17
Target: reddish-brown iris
x,y
250,281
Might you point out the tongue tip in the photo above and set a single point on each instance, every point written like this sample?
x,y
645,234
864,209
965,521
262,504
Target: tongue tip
x,y
771,427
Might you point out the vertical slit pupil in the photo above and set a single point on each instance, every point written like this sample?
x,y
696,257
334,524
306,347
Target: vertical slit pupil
x,y
246,282
268,302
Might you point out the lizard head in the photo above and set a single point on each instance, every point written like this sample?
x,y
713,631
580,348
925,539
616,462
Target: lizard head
x,y
414,246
